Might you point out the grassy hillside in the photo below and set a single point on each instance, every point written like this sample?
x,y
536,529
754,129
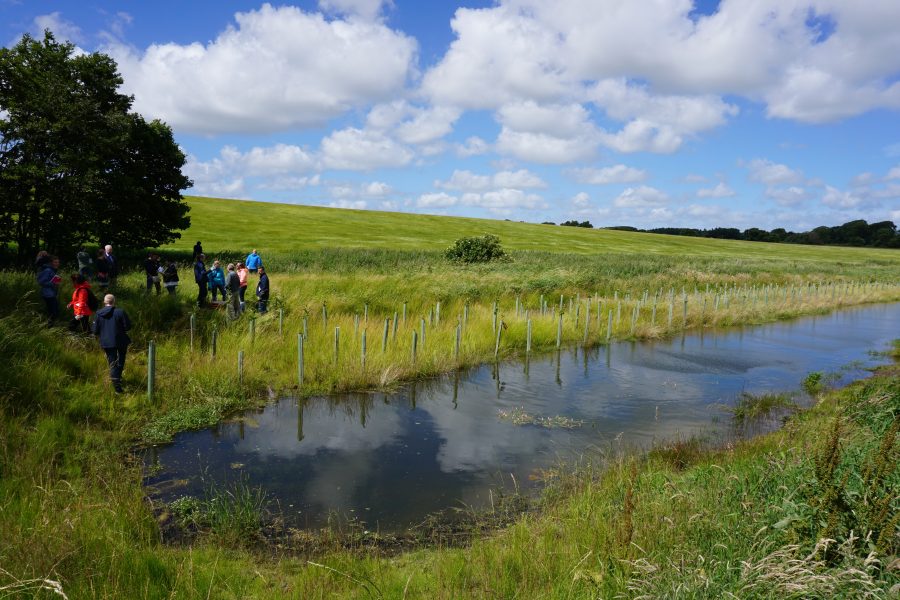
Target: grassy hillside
x,y
273,228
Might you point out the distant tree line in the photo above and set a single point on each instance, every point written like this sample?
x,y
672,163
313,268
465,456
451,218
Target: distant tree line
x,y
853,233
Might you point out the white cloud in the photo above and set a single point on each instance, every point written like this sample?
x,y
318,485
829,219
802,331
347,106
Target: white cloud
x,y
376,188
354,204
838,199
788,196
893,173
412,124
362,150
777,51
289,183
281,159
63,30
472,147
278,68
581,199
641,197
503,201
546,148
770,173
656,123
438,200
607,175
720,191
471,182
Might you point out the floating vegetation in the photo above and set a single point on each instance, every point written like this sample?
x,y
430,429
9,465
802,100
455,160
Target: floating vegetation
x,y
751,407
518,416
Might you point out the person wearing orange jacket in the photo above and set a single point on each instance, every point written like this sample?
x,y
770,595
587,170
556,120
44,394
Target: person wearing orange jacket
x,y
80,304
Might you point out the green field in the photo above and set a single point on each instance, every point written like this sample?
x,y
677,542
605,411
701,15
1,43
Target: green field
x,y
235,225
683,521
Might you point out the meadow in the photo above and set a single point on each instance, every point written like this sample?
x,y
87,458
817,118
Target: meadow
x,y
707,522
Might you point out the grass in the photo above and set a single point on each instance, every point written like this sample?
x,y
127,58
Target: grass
x,y
685,520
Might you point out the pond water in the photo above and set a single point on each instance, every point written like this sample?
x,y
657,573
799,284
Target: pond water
x,y
391,459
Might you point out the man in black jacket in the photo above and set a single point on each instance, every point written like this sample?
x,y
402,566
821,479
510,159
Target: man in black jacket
x,y
111,326
201,279
262,291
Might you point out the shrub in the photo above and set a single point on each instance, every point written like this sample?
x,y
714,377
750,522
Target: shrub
x,y
476,249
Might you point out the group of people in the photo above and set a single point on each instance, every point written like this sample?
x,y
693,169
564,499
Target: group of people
x,y
111,324
231,283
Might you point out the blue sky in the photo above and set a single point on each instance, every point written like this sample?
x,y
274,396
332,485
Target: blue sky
x,y
779,113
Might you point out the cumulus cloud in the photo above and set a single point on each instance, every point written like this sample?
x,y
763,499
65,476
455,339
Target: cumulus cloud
x,y
362,150
503,201
63,29
581,199
354,204
642,197
276,68
437,200
412,124
770,173
836,198
554,134
607,175
788,196
472,147
720,191
471,182
281,159
811,62
656,123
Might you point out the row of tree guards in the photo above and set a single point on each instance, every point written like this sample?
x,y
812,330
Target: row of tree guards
x,y
579,310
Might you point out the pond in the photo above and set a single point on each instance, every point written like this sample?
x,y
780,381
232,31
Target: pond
x,y
391,459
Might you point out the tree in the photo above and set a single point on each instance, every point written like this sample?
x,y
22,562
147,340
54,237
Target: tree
x,y
76,166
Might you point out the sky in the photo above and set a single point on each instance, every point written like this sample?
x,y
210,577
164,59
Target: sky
x,y
657,113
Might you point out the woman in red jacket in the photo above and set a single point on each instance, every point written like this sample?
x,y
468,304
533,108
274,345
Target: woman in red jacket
x,y
80,304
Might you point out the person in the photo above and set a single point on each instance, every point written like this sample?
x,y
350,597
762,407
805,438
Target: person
x,y
113,265
42,259
243,274
200,276
170,277
102,270
198,250
85,263
111,326
80,303
233,284
48,279
216,278
152,269
253,262
262,291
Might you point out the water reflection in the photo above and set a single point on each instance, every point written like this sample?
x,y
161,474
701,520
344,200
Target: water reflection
x,y
391,459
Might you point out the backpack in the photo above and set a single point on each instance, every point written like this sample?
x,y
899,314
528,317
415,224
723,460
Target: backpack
x,y
92,301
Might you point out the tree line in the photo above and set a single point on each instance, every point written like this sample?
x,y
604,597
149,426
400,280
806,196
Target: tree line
x,y
882,234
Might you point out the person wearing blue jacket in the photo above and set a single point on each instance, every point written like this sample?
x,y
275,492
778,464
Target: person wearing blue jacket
x,y
253,262
216,280
48,279
111,326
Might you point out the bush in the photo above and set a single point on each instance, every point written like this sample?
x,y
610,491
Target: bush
x,y
476,249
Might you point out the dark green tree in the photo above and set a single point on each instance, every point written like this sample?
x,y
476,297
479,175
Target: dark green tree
x,y
76,166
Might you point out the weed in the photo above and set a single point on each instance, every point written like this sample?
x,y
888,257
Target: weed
x,y
812,383
751,407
